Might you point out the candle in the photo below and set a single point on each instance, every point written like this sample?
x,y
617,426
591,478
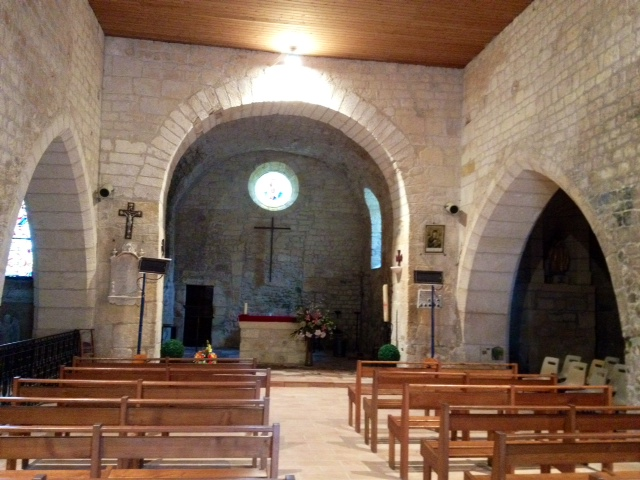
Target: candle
x,y
385,302
246,308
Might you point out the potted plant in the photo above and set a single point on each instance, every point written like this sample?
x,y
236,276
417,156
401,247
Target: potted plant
x,y
172,348
389,352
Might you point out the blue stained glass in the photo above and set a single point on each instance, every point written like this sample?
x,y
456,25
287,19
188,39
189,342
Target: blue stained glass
x,y
20,262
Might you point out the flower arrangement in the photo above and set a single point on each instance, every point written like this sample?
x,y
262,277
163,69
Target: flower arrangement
x,y
206,356
314,322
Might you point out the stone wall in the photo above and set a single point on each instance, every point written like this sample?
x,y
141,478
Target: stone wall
x,y
50,102
160,98
51,68
557,94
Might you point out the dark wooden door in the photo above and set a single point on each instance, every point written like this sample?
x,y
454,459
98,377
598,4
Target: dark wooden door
x,y
198,315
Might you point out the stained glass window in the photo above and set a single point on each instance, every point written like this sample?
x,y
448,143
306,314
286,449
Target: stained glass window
x,y
376,228
20,263
273,186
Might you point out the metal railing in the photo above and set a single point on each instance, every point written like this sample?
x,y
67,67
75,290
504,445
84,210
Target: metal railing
x,y
37,358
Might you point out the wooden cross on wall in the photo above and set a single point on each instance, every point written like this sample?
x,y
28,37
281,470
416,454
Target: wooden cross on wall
x,y
272,228
130,213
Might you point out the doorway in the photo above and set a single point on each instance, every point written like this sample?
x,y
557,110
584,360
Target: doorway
x,y
198,315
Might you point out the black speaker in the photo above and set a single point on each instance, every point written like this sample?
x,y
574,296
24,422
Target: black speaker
x,y
153,265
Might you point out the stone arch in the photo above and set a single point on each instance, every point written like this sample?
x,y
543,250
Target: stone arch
x,y
57,191
497,237
354,117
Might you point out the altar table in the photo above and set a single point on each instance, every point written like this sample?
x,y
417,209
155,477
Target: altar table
x,y
268,339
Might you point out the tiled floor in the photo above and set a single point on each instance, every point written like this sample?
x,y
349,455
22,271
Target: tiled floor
x,y
317,443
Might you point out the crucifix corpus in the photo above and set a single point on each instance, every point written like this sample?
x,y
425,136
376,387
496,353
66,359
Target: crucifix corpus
x,y
130,213
272,228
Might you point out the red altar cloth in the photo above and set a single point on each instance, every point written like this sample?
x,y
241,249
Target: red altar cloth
x,y
265,318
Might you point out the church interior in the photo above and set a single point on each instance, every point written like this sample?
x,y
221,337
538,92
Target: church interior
x,y
144,130
281,194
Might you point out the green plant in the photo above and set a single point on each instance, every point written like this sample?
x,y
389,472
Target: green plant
x,y
172,348
389,352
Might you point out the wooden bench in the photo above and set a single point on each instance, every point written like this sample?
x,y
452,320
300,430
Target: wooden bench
x,y
21,411
419,397
626,475
529,397
513,450
250,388
386,394
386,391
201,373
489,419
364,373
130,362
98,443
588,419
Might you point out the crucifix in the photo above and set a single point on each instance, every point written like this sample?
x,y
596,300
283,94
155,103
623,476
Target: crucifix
x,y
272,228
130,213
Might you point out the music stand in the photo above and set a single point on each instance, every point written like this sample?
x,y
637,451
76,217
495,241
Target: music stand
x,y
148,265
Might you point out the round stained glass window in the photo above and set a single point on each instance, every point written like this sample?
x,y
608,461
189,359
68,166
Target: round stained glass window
x,y
273,186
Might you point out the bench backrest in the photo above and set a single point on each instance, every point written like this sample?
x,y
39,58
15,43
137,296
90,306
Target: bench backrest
x,y
512,450
431,397
392,381
169,373
98,442
493,378
507,368
129,362
492,419
249,388
134,412
586,419
593,395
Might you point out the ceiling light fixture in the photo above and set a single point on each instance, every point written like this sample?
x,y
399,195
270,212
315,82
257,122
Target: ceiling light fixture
x,y
290,58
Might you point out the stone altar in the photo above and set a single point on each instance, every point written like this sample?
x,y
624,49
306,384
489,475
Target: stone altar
x,y
269,340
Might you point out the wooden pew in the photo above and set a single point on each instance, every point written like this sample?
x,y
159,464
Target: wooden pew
x,y
623,475
513,450
389,382
130,362
251,388
489,419
197,373
98,443
362,385
132,412
419,397
365,369
424,397
588,419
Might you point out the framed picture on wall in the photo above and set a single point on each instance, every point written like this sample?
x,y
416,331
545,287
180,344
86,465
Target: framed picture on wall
x,y
434,239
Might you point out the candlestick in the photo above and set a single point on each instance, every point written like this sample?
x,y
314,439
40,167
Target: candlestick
x,y
385,302
246,308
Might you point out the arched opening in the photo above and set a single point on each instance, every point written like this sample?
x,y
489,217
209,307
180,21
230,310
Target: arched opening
x,y
63,234
563,301
319,251
16,310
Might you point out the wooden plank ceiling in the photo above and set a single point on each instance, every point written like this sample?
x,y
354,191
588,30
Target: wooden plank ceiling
x,y
445,33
